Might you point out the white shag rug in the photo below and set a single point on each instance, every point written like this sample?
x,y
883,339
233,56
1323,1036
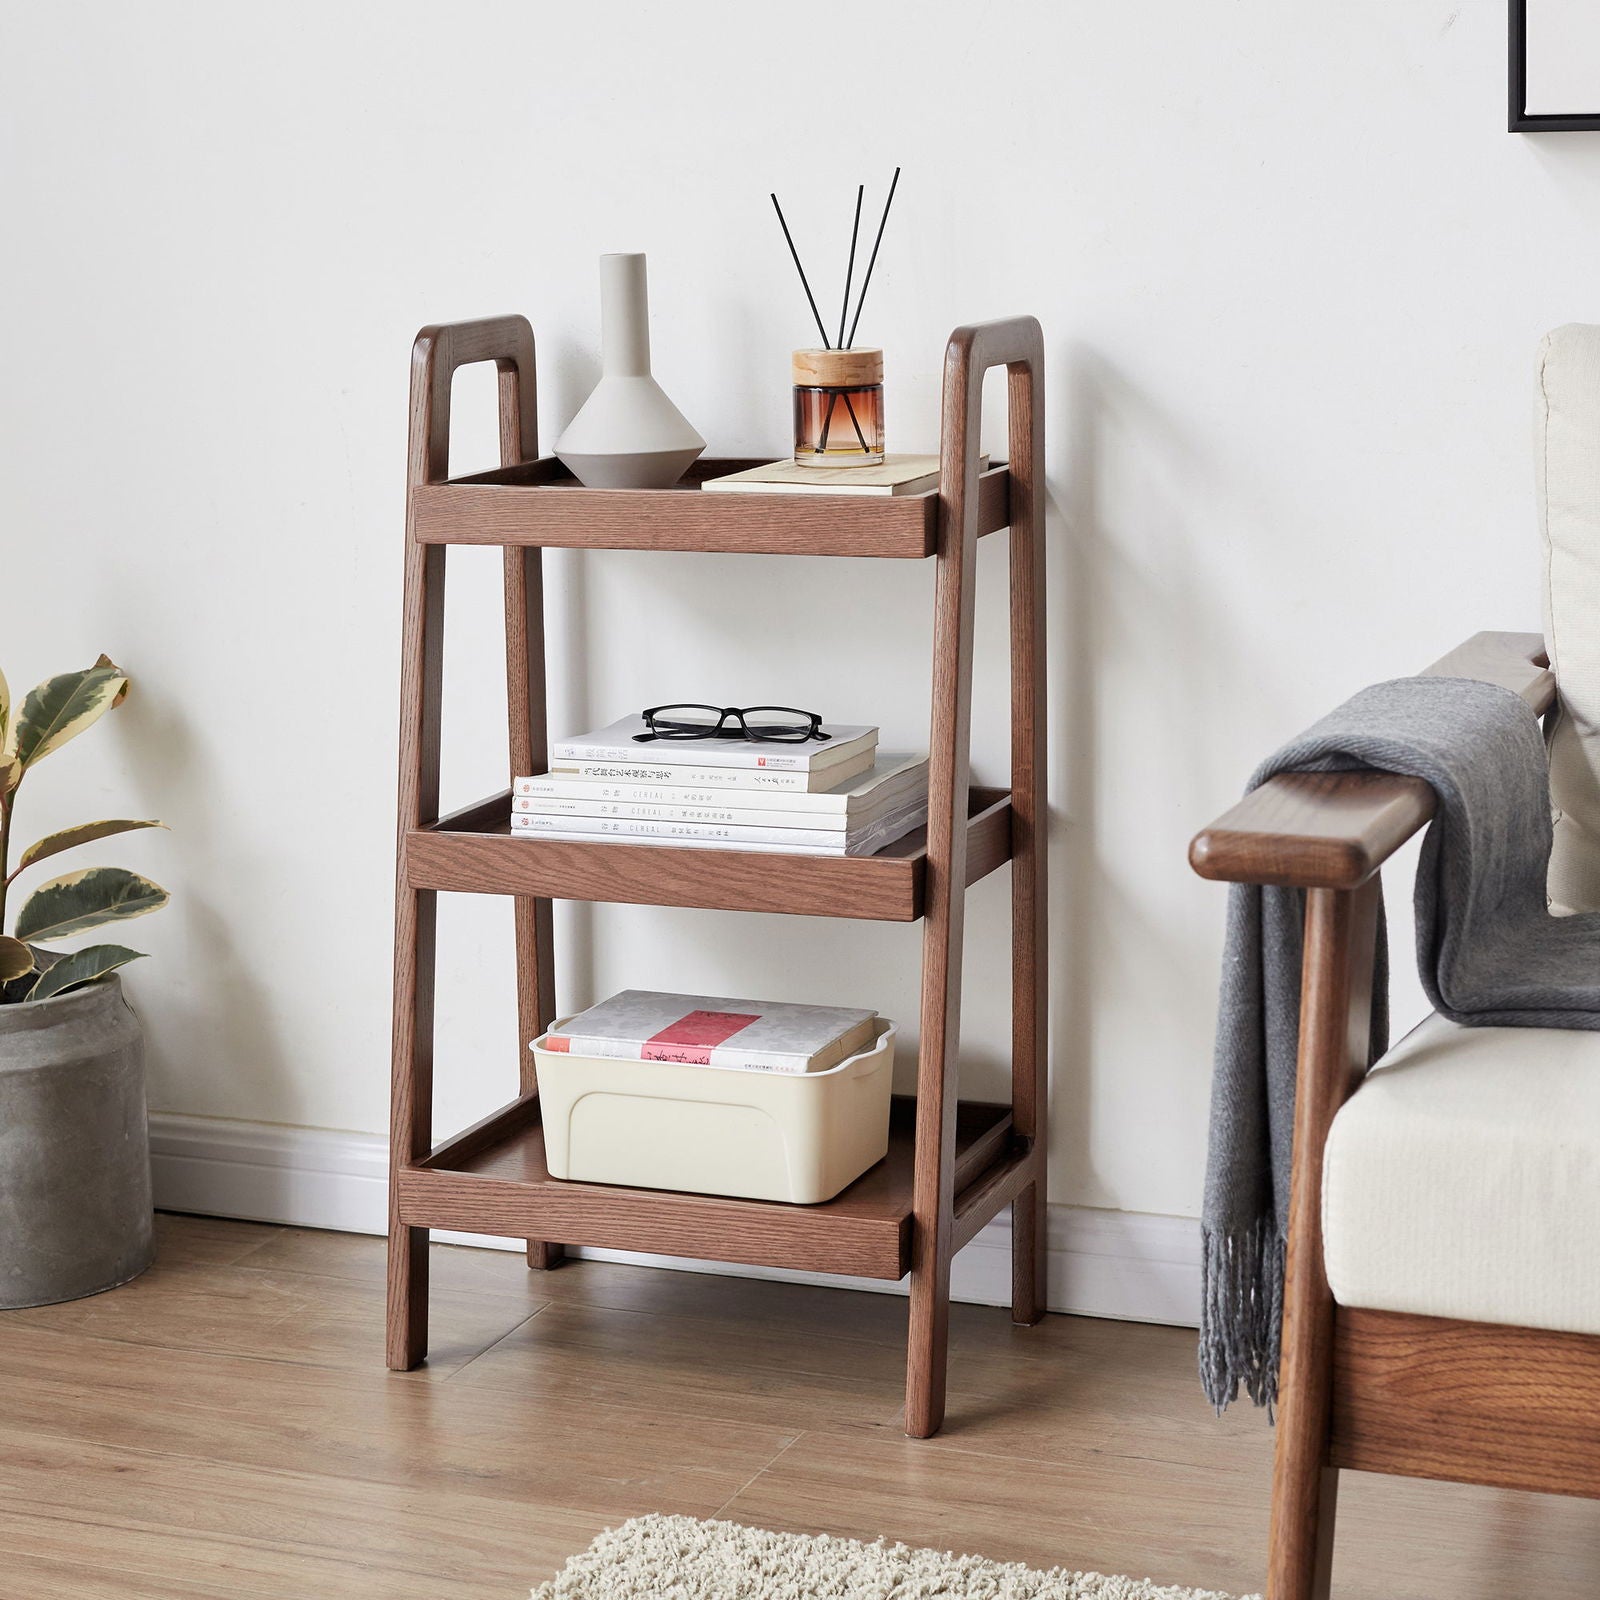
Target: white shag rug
x,y
682,1558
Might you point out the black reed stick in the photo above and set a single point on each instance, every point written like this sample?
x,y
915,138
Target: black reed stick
x,y
827,422
849,271
872,260
810,298
855,424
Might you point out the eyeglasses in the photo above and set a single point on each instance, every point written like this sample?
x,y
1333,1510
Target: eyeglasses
x,y
759,724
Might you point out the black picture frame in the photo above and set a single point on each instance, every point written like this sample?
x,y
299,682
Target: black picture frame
x,y
1519,120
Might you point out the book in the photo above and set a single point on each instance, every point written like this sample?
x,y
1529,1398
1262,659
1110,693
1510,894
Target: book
x,y
755,778
729,816
897,475
890,776
888,783
617,743
856,842
566,837
710,1031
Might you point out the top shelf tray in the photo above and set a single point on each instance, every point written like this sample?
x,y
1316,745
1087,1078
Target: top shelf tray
x,y
541,503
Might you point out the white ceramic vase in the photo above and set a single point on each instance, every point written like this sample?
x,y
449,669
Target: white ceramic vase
x,y
628,435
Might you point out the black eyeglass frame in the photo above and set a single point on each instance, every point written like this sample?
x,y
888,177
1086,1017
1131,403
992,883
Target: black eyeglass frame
x,y
662,727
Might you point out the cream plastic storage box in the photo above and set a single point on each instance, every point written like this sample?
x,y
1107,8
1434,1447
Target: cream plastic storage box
x,y
800,1137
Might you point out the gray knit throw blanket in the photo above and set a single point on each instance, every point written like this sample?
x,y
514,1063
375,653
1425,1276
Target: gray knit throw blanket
x,y
1489,952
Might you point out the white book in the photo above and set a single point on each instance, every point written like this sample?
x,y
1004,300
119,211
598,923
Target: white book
x,y
672,832
616,743
719,816
684,844
897,475
893,775
711,1031
753,778
859,841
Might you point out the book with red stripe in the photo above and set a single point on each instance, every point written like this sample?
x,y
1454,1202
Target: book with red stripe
x,y
713,1031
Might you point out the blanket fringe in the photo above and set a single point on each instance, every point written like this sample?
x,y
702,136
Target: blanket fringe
x,y
1241,1314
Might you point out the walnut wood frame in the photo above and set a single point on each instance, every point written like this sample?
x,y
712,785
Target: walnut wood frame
x,y
953,1164
1380,1391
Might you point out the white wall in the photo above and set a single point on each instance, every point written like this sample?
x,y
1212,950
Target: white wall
x,y
1292,273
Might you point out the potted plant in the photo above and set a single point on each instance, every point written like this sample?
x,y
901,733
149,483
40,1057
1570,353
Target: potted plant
x,y
75,1212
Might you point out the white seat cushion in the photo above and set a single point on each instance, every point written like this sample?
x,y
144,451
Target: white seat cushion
x,y
1462,1179
1567,453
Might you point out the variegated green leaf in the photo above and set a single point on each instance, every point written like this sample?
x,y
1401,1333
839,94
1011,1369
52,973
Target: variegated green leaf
x,y
84,833
10,771
106,661
16,959
88,899
5,709
82,966
62,707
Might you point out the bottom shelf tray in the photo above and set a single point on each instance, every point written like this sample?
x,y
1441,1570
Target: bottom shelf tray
x,y
493,1179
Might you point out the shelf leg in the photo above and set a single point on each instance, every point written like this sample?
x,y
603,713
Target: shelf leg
x,y
1028,1255
1016,344
410,1123
406,1341
1029,826
535,1012
439,351
529,742
949,782
928,1343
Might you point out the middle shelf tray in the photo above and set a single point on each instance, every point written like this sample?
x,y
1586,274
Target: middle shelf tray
x,y
473,850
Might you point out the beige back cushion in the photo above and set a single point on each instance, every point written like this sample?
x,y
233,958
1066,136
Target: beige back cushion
x,y
1568,454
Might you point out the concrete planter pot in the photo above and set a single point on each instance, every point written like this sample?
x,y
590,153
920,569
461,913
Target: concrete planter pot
x,y
75,1209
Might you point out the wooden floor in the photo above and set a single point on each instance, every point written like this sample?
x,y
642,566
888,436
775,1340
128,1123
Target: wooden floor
x,y
224,1427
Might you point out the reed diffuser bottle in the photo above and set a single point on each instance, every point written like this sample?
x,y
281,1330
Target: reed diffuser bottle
x,y
838,390
838,408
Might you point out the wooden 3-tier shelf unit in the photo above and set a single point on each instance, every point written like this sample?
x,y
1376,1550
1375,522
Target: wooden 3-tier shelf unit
x,y
953,1164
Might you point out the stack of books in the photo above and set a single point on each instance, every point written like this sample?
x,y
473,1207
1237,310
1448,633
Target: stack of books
x,y
839,797
709,1031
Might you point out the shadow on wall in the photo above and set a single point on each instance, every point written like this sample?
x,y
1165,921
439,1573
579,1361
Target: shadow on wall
x,y
569,370
1129,599
212,1000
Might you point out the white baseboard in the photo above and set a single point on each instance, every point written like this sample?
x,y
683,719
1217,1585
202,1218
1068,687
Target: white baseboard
x,y
1124,1264
264,1172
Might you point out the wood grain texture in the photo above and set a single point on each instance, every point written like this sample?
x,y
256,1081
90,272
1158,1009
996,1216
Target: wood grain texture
x,y
1313,830
944,1180
494,1179
438,352
1516,661
1030,828
1017,344
486,858
1513,1408
975,1207
1334,830
506,1122
166,1439
529,740
544,505
1362,1389
1335,1036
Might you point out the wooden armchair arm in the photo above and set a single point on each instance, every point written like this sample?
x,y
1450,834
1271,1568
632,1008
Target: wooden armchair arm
x,y
1333,830
1329,833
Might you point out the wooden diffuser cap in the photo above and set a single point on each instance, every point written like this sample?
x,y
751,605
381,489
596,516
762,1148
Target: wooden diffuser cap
x,y
837,369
